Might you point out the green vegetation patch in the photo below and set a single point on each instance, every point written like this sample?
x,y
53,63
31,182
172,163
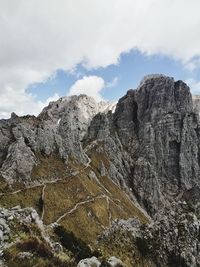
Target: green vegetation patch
x,y
78,247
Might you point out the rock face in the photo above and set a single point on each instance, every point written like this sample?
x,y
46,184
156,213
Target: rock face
x,y
19,162
59,129
173,238
196,103
155,145
168,133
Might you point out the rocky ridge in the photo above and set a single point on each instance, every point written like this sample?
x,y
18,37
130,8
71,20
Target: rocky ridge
x,y
58,129
148,145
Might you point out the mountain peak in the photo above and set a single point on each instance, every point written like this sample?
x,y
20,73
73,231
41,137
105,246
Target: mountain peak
x,y
158,95
87,106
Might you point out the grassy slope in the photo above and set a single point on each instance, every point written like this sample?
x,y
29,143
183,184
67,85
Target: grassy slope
x,y
88,220
25,198
63,195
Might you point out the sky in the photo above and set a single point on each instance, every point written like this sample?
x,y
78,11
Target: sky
x,y
54,48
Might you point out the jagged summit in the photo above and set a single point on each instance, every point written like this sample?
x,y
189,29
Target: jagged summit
x,y
88,106
158,94
154,76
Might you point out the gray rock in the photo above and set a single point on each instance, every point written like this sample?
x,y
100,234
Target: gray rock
x,y
102,169
25,255
25,215
19,162
93,176
173,237
1,236
115,262
89,262
59,129
151,141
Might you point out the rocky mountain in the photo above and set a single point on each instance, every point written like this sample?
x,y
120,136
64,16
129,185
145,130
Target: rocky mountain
x,y
119,182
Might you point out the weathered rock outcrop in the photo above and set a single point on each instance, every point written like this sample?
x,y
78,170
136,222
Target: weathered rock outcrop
x,y
11,218
173,238
89,262
59,129
19,161
168,159
153,140
94,262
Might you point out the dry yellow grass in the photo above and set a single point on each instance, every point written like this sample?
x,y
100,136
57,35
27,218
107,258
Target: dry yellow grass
x,y
88,219
83,225
26,198
49,167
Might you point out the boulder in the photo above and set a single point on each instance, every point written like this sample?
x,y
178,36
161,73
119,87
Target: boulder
x,y
89,262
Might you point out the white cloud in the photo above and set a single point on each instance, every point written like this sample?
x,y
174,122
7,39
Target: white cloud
x,y
194,86
21,103
113,83
39,37
89,85
193,64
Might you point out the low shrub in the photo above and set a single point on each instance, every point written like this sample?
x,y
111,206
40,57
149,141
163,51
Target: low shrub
x,y
104,263
78,247
35,245
142,246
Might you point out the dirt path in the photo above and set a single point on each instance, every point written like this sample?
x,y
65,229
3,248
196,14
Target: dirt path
x,y
109,212
43,204
79,204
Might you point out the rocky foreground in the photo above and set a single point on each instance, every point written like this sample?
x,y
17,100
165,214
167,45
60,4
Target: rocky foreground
x,y
116,184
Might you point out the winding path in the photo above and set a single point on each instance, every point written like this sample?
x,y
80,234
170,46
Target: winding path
x,y
43,204
77,205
